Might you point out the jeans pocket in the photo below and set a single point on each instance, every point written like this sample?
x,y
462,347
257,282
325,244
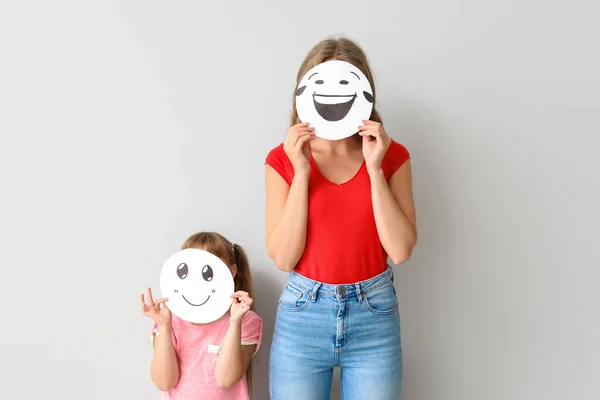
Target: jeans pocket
x,y
293,299
381,300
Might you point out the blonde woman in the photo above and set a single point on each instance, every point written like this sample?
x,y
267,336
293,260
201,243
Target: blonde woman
x,y
336,210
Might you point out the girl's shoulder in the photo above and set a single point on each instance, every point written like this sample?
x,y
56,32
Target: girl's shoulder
x,y
251,318
252,329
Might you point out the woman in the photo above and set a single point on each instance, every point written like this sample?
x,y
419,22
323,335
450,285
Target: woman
x,y
335,211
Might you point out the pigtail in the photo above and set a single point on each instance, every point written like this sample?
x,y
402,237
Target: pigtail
x,y
243,278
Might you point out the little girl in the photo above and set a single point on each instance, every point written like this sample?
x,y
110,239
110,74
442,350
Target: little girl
x,y
207,361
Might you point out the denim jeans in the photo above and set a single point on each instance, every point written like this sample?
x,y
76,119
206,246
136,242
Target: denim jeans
x,y
321,326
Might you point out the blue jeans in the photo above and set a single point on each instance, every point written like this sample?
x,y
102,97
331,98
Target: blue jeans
x,y
320,326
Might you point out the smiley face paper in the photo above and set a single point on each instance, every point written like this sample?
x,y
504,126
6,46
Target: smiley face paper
x,y
197,284
334,98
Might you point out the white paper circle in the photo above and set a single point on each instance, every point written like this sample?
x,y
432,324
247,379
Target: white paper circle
x,y
334,97
197,284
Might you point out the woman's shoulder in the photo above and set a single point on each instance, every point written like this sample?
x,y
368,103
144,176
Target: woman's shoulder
x,y
397,149
397,154
277,152
279,161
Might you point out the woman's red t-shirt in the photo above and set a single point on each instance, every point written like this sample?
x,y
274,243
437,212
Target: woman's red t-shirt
x,y
342,244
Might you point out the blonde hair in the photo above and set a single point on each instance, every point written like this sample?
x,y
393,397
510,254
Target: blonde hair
x,y
342,49
231,254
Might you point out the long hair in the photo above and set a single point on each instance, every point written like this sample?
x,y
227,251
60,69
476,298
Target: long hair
x,y
231,254
335,49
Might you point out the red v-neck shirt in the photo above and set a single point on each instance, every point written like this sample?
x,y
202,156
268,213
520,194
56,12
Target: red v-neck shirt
x,y
342,244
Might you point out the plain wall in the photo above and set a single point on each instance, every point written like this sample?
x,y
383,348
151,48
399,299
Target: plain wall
x,y
128,125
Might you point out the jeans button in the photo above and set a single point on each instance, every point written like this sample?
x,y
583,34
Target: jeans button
x,y
341,291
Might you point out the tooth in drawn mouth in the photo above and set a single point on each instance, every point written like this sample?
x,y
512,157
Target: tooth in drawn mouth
x,y
196,305
333,107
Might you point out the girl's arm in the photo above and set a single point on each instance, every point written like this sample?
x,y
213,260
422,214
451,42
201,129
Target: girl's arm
x,y
286,217
394,210
234,358
165,366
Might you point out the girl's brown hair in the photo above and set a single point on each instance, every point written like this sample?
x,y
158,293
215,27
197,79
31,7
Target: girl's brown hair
x,y
231,254
336,49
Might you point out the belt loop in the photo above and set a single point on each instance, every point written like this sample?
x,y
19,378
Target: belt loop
x,y
358,292
392,272
313,294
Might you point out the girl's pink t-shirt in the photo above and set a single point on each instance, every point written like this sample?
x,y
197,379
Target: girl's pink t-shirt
x,y
197,348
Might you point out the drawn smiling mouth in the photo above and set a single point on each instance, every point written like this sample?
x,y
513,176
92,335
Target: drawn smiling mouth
x,y
332,107
196,305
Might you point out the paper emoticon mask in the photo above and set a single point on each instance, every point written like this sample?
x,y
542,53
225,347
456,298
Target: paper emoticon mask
x,y
198,285
334,97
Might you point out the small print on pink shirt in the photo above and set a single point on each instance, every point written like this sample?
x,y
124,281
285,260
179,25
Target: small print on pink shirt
x,y
197,348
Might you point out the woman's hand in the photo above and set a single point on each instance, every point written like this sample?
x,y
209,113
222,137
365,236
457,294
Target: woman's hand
x,y
375,144
296,146
240,306
157,310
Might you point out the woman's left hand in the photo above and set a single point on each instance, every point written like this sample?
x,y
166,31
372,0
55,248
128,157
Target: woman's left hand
x,y
240,306
375,144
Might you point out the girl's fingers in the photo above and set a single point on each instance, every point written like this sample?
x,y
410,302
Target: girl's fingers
x,y
150,299
240,293
160,301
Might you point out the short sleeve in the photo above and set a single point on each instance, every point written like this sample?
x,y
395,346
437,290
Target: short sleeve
x,y
279,161
155,331
395,157
252,330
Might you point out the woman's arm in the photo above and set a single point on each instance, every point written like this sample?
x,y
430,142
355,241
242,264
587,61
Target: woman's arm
x,y
165,366
234,358
394,210
286,217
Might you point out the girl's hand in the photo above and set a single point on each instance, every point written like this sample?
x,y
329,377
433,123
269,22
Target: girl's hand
x,y
157,310
296,146
240,306
375,144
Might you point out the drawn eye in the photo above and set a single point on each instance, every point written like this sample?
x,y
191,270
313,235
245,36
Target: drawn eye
x,y
300,90
343,82
182,271
319,82
207,273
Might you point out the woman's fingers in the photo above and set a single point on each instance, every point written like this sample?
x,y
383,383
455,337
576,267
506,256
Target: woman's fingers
x,y
302,140
293,141
369,122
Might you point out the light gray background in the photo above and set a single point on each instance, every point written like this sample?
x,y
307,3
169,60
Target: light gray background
x,y
128,125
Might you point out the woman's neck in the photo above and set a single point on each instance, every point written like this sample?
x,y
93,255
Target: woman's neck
x,y
336,147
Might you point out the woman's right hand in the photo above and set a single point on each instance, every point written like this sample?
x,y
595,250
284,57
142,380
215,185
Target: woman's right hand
x,y
152,309
296,146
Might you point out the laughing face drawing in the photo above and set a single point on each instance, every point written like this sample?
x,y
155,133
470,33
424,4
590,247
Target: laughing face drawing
x,y
334,97
198,285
